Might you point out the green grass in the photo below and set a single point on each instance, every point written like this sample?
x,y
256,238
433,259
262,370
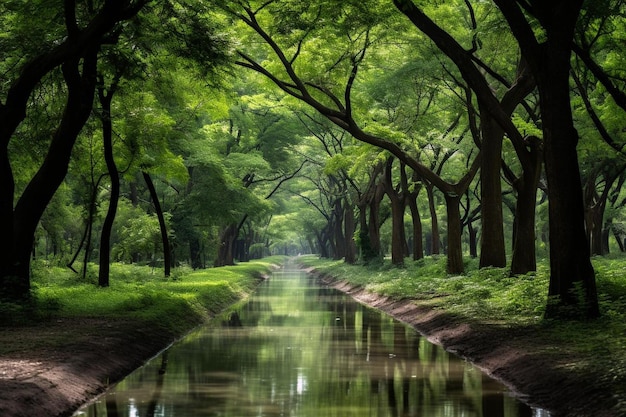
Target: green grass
x,y
488,293
138,293
491,295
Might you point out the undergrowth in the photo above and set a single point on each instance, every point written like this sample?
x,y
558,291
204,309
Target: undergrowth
x,y
136,293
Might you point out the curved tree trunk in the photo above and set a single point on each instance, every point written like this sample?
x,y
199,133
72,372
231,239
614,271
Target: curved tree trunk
x,y
15,265
167,252
107,226
18,224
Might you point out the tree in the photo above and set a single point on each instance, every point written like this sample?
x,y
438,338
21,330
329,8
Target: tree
x,y
76,53
571,272
105,98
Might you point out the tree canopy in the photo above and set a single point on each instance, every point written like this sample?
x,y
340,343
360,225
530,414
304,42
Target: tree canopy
x,y
205,133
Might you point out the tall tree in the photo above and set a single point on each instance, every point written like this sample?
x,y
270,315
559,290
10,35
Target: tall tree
x,y
105,97
76,52
549,58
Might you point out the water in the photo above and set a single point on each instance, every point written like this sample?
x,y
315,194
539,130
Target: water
x,y
300,350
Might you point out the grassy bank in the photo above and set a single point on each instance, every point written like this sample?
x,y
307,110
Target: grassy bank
x,y
137,293
74,339
491,296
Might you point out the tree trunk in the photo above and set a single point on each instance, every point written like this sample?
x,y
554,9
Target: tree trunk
x,y
619,240
351,254
492,251
107,226
398,238
594,228
322,243
410,200
418,245
365,248
455,250
225,251
572,289
15,264
337,227
167,252
524,258
195,253
473,242
435,241
374,220
86,238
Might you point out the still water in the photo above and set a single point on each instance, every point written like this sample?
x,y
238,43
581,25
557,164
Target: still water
x,y
298,349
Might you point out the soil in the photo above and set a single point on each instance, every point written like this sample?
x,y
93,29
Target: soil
x,y
51,369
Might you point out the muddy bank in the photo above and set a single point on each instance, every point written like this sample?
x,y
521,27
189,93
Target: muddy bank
x,y
66,363
536,372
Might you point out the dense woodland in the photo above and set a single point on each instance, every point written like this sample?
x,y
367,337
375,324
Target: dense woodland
x,y
207,132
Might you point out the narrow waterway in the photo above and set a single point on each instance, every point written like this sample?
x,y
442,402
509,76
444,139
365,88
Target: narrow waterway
x,y
298,349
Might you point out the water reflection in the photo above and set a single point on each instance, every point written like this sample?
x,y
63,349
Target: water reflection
x,y
297,349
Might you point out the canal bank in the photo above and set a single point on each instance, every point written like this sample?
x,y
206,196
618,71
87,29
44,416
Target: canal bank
x,y
52,381
50,367
515,356
299,348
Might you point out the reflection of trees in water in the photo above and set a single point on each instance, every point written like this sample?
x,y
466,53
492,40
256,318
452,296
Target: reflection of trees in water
x,y
315,349
412,377
111,405
158,389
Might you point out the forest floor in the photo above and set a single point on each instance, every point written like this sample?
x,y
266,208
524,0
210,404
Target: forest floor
x,y
536,371
51,368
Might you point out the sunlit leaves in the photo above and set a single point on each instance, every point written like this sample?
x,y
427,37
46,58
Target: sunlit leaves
x,y
527,128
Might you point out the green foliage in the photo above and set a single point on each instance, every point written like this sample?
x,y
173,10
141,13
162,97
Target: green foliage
x,y
137,234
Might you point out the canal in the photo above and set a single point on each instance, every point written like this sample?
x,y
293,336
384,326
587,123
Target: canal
x,y
299,349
